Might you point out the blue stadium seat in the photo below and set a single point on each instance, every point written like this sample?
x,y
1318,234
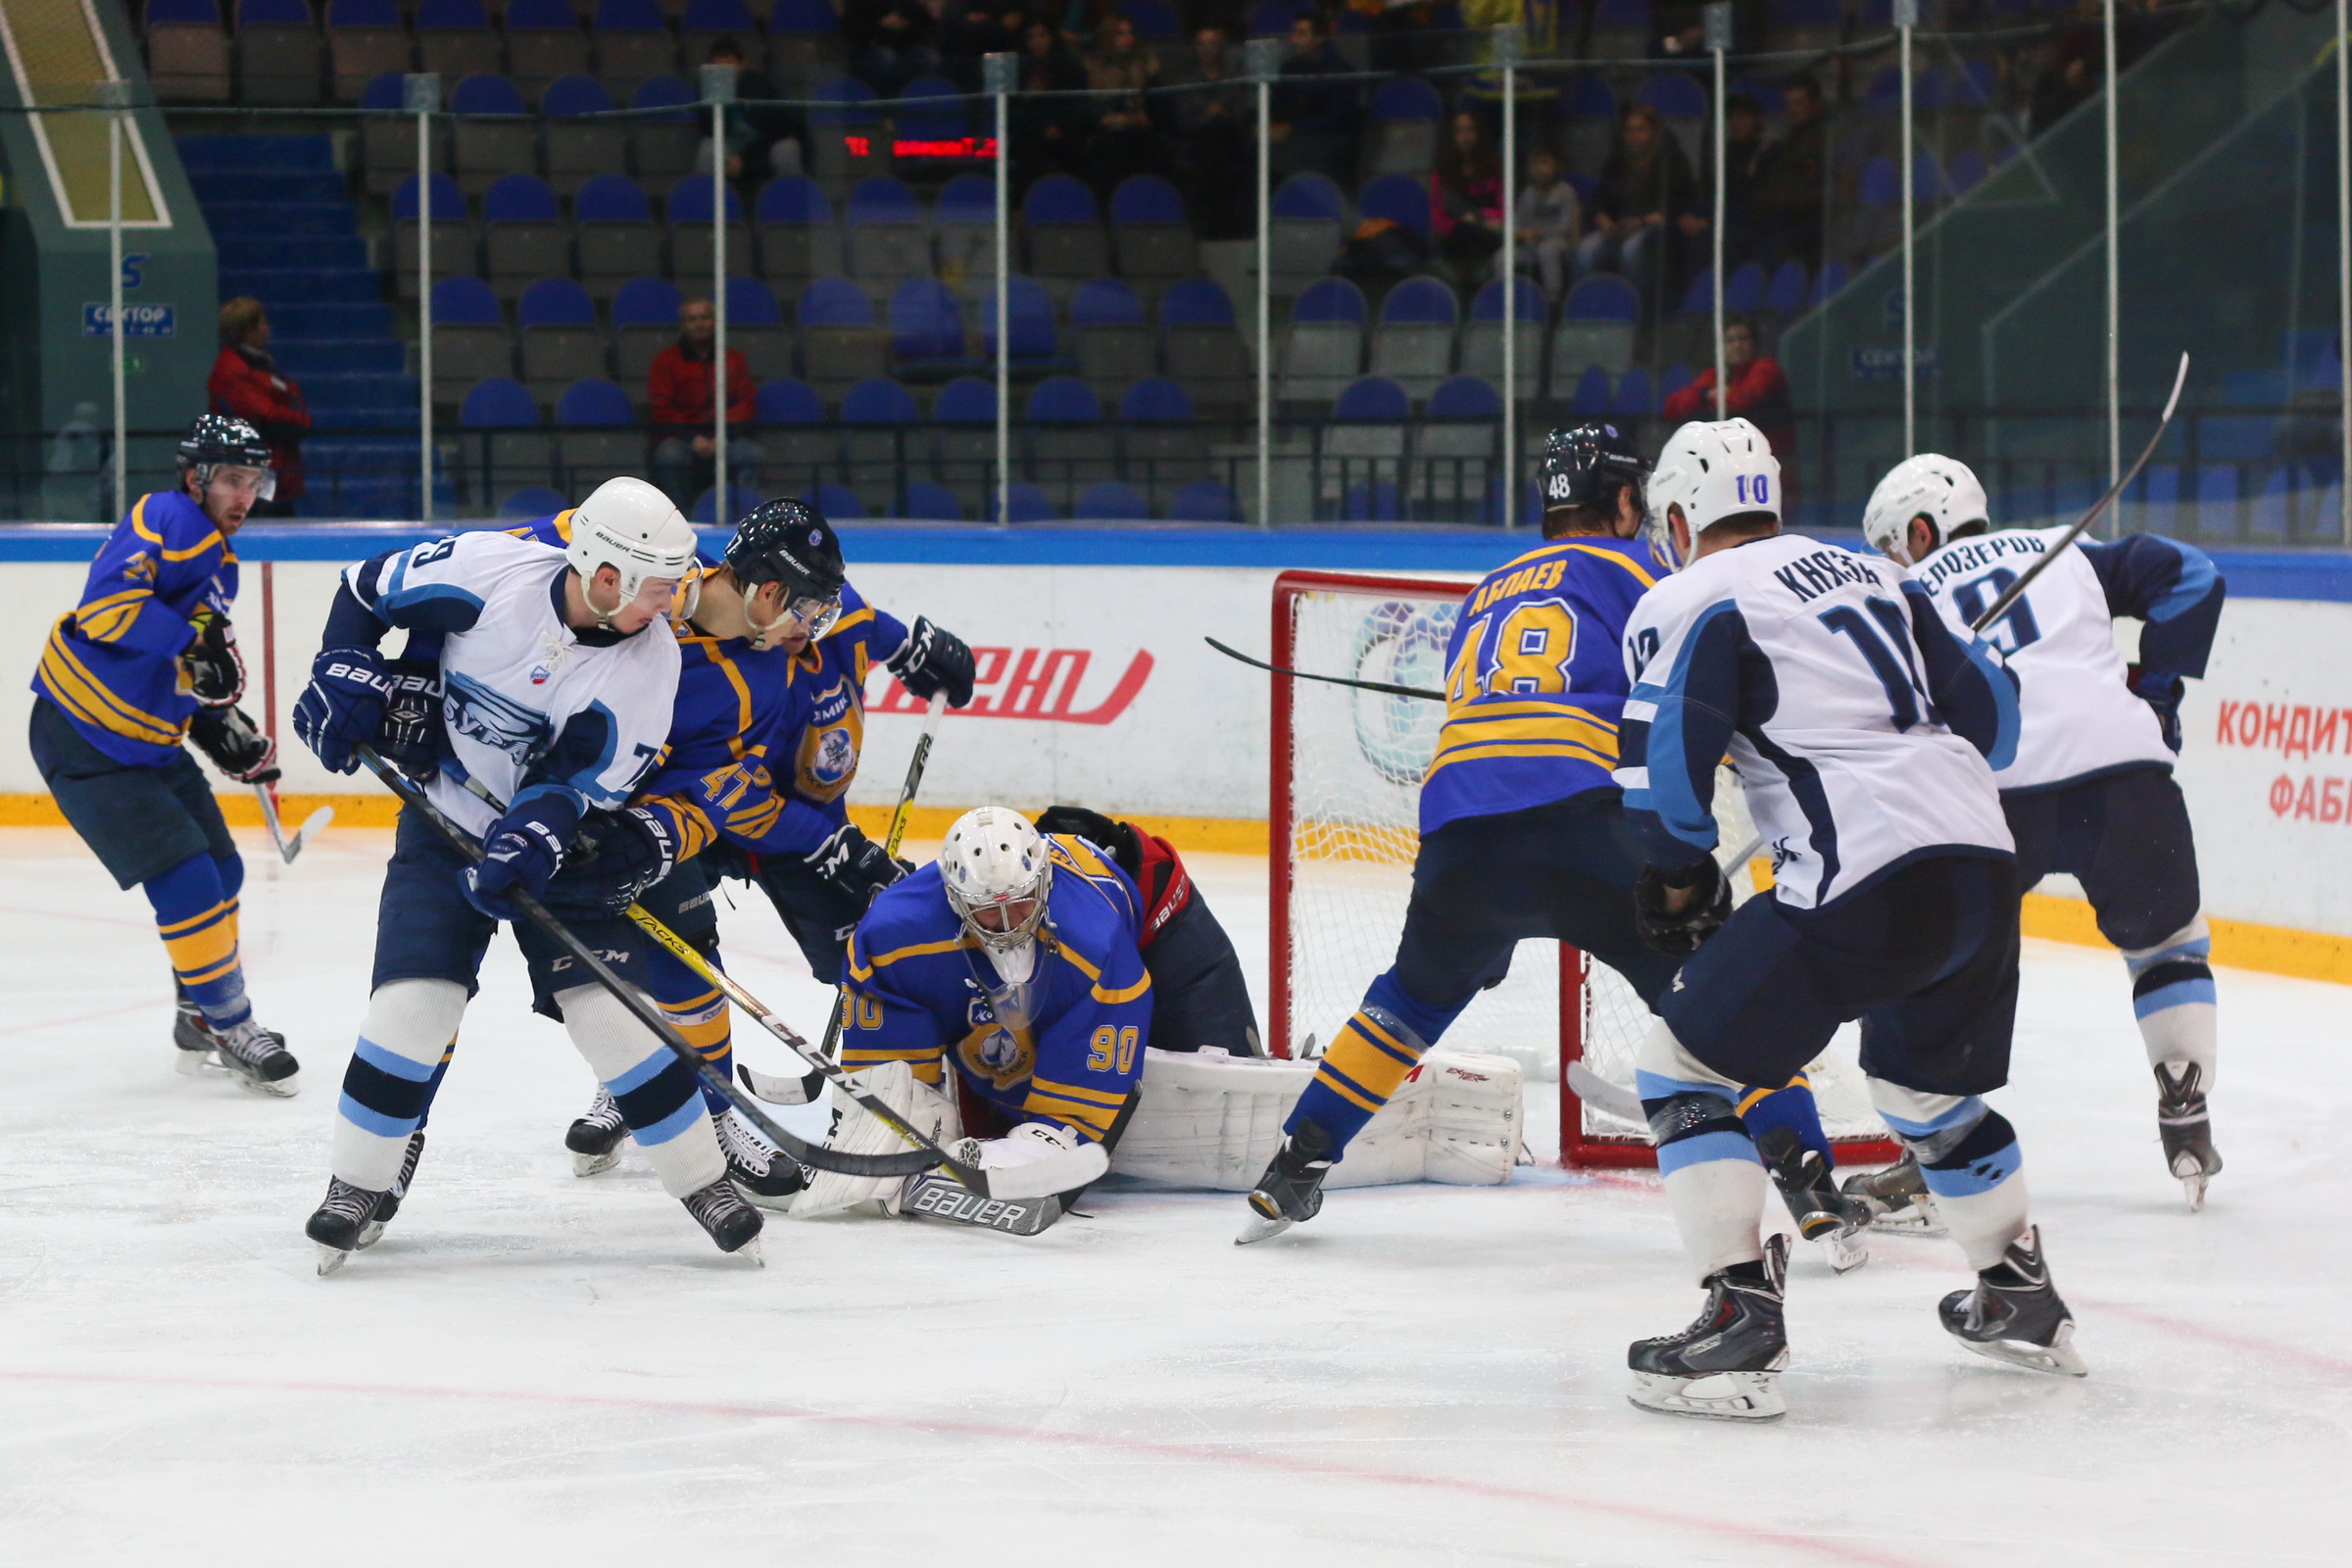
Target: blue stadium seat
x,y
689,202
835,302
1105,302
553,302
802,17
532,501
1677,377
966,400
611,198
1770,100
927,502
1111,501
751,303
1331,299
966,198
1603,297
549,15
1196,302
573,94
1156,400
1786,293
882,199
880,401
794,199
629,15
665,92
1880,184
466,302
1204,501
705,510
1373,398
1966,171
1591,399
1308,194
594,402
719,16
1832,279
925,324
1375,501
837,502
1029,313
498,404
1401,199
1464,397
1674,95
1634,400
1147,199
845,101
385,94
943,119
1029,505
1154,19
520,199
1063,400
789,400
1271,18
1422,301
647,302
448,202
1744,291
1407,98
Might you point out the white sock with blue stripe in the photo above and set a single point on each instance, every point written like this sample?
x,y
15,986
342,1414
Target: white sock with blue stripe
x,y
681,1148
1715,1184
410,1024
1968,1155
2172,996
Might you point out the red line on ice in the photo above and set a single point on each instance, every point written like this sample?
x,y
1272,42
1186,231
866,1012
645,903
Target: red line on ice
x,y
91,1017
1202,1453
2243,1342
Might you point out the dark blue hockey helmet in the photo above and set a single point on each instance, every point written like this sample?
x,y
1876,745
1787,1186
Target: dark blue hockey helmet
x,y
1587,465
789,542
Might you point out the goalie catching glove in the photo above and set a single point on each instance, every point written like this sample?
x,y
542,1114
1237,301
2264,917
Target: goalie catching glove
x,y
1679,933
235,746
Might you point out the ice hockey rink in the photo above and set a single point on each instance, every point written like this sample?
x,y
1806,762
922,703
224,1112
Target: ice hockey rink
x,y
534,1368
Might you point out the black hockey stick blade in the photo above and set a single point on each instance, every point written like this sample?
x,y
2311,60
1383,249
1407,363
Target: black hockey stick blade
x,y
643,1010
1381,686
802,1091
937,1197
2017,589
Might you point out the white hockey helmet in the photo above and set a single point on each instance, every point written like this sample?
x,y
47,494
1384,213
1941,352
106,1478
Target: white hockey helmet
x,y
1943,490
627,524
997,873
1712,469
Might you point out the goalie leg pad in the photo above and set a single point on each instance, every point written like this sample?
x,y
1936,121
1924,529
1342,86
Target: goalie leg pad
x,y
858,1131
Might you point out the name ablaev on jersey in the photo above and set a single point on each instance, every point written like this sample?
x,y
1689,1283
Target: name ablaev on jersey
x,y
1824,571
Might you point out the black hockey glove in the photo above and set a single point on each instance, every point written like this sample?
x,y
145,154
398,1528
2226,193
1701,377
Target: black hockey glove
x,y
853,863
236,748
617,856
933,660
1709,905
2162,693
412,736
343,705
1116,839
216,672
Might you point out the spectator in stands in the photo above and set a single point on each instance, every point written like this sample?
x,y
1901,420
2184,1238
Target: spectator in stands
x,y
1466,199
678,395
1550,221
1048,134
1645,209
1125,139
1788,197
2076,65
1401,29
1744,153
970,30
891,42
1216,152
762,141
1314,120
1756,390
246,382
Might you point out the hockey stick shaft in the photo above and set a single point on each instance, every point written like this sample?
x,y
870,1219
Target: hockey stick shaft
x,y
1380,686
277,832
2017,589
642,1008
915,773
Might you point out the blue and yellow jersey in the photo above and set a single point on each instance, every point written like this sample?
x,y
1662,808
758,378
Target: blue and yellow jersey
x,y
1066,1047
112,663
763,745
1534,681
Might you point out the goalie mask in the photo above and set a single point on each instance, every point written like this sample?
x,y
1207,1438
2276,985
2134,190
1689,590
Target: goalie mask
x,y
627,524
996,875
1713,471
1942,490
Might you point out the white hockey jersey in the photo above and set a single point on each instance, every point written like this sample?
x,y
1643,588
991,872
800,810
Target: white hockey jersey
x,y
526,703
1841,707
2078,716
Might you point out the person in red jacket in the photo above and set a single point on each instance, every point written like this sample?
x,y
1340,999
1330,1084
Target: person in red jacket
x,y
247,384
1758,392
678,397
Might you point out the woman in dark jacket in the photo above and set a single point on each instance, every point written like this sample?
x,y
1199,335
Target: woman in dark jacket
x,y
1644,212
1466,198
247,383
1048,134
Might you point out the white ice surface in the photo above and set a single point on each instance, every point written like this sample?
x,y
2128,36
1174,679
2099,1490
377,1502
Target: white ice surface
x,y
536,1369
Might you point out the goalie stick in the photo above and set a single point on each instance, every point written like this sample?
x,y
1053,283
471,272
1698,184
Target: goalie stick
x,y
640,1006
288,847
2017,589
1381,686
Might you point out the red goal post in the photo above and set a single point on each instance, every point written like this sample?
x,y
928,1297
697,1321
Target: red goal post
x,y
1343,826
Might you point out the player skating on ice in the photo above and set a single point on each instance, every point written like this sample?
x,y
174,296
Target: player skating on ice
x,y
147,659
1862,728
558,673
763,745
1010,965
2091,789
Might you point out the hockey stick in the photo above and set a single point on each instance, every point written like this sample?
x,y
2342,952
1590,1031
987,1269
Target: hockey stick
x,y
290,847
2017,590
646,1012
1380,686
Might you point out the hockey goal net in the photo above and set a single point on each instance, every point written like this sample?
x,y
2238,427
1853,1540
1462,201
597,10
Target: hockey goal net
x,y
1344,812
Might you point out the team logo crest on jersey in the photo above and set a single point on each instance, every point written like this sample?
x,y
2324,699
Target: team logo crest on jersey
x,y
1003,1057
539,674
836,757
483,716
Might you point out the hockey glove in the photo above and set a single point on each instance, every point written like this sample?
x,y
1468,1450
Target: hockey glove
x,y
236,748
412,736
932,660
853,863
2162,693
216,673
1678,934
1117,839
617,856
521,850
343,707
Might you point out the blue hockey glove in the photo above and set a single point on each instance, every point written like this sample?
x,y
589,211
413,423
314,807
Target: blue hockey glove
x,y
933,660
521,850
2162,693
1679,933
412,736
853,863
617,856
343,705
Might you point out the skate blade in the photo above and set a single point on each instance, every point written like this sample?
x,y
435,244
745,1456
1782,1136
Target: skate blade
x,y
195,1063
1258,1227
2193,1177
1716,1397
285,1088
1915,1219
751,1251
370,1234
1846,1251
330,1258
773,1203
2059,1358
594,1164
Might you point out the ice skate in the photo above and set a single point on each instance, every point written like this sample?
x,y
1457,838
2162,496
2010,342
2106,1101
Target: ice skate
x,y
595,1137
2015,1314
1898,1198
2186,1128
721,1213
192,1039
1726,1366
1822,1214
760,1170
389,1205
257,1057
339,1221
1291,1190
